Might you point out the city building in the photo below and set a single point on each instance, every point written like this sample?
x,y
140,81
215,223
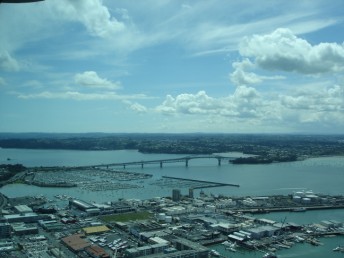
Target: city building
x,y
191,193
176,195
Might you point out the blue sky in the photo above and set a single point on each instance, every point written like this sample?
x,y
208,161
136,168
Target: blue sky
x,y
172,66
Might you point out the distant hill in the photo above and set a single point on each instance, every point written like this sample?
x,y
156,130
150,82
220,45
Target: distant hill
x,y
271,147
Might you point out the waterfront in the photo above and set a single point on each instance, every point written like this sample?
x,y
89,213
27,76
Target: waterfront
x,y
322,175
299,250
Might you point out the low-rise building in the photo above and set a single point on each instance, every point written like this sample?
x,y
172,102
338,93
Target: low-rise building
x,y
81,205
96,251
146,250
21,229
26,217
23,209
76,242
263,231
96,230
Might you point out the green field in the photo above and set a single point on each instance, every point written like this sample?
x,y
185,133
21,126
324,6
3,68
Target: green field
x,y
127,217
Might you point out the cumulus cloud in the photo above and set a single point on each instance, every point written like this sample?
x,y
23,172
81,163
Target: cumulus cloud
x,y
243,103
91,79
246,104
199,103
325,100
282,50
7,62
138,108
92,14
241,76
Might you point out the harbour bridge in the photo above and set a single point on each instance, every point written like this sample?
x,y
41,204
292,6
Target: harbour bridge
x,y
184,160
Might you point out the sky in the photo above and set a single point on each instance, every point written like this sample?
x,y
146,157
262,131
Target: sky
x,y
170,66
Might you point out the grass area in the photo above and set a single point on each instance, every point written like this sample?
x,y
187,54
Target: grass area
x,y
127,217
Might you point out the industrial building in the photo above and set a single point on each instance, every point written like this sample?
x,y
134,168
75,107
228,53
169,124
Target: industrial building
x,y
21,229
146,250
81,205
96,251
23,209
75,242
263,231
95,230
26,217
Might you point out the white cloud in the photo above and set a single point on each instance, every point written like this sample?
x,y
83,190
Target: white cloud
x,y
91,79
138,108
242,103
199,103
92,14
325,100
242,76
7,62
284,51
75,95
246,104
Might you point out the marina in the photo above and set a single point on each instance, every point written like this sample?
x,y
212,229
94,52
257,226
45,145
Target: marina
x,y
91,179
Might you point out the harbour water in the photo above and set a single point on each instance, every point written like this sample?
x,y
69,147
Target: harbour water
x,y
322,175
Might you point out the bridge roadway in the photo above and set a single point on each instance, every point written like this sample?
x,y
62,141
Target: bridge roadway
x,y
162,161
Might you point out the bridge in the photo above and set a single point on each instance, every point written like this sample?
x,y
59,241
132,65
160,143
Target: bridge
x,y
184,160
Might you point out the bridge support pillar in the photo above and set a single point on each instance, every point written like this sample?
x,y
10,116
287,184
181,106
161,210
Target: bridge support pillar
x,y
219,161
160,164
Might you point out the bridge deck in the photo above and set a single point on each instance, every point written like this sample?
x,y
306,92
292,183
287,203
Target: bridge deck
x,y
162,161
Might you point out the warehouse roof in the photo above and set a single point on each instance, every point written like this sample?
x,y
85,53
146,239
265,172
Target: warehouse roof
x,y
96,229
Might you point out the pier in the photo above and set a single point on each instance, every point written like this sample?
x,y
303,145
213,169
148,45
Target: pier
x,y
288,209
211,184
184,160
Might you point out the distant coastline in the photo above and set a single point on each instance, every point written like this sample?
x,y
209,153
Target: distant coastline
x,y
266,148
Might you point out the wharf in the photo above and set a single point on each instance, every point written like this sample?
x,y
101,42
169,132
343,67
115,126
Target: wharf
x,y
330,233
211,184
289,208
214,241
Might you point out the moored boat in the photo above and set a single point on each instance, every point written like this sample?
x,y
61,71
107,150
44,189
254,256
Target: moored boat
x,y
299,209
215,253
270,255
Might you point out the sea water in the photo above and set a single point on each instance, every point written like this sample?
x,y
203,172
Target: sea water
x,y
322,175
